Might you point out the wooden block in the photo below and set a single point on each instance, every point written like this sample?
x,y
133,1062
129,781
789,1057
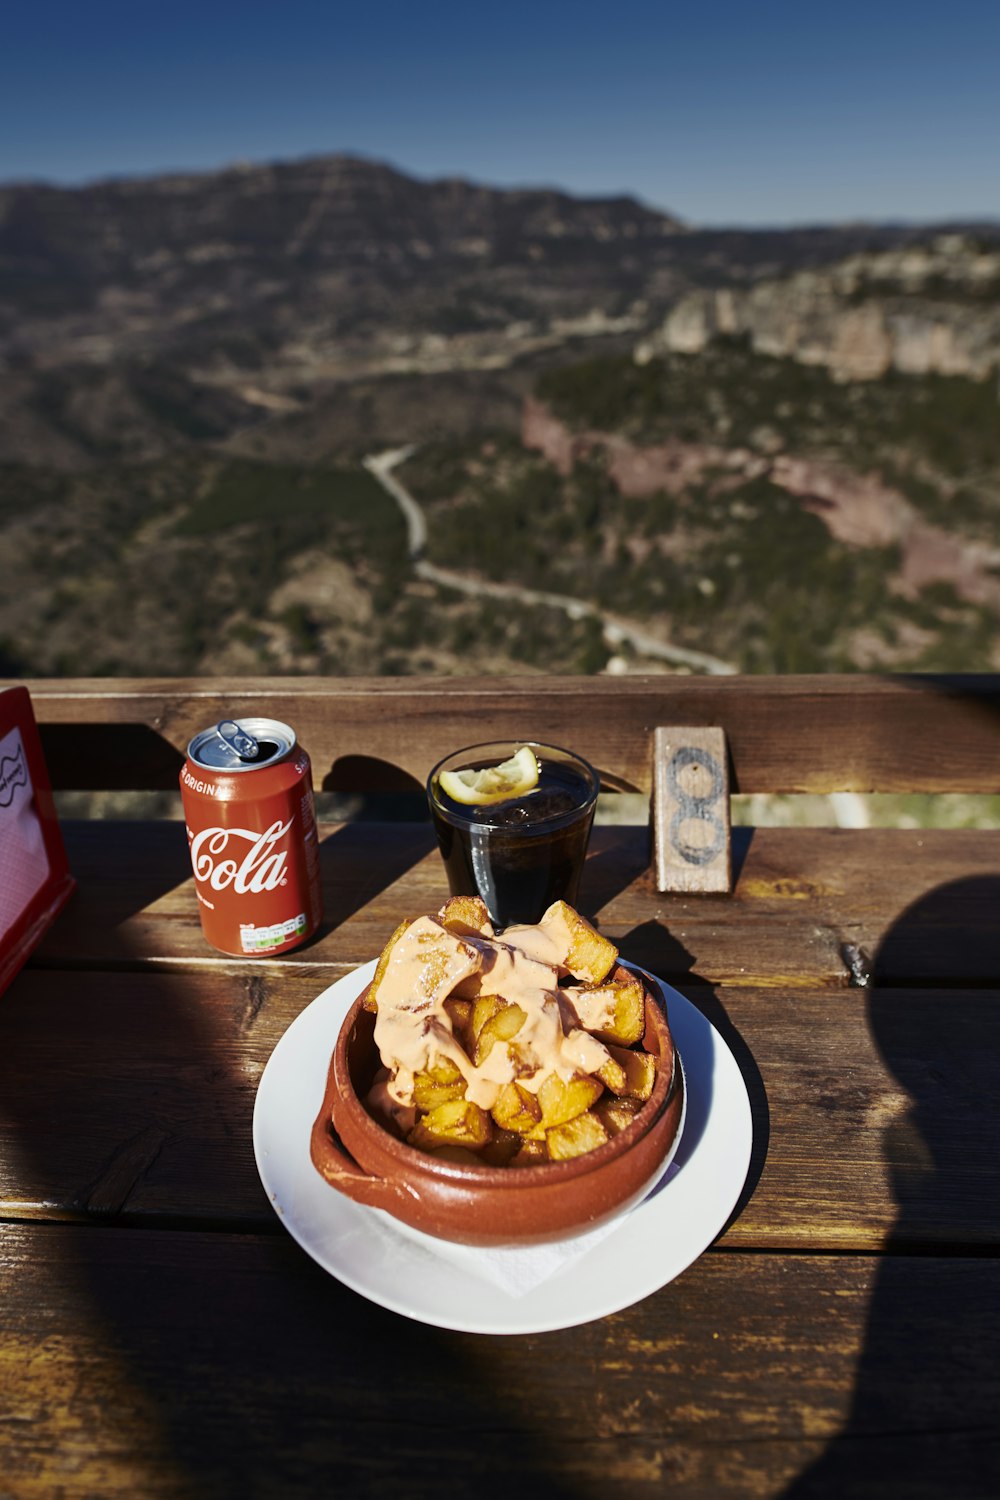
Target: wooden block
x,y
691,842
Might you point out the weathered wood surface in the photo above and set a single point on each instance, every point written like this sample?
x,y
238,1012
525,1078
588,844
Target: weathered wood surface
x,y
809,906
876,1112
161,1334
182,1364
786,734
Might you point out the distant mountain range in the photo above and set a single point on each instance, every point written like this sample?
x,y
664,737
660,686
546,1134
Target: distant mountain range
x,y
779,448
142,314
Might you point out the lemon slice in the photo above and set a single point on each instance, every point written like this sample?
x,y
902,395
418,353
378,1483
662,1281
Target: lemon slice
x,y
495,783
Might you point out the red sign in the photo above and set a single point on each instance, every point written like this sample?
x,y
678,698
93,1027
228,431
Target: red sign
x,y
35,882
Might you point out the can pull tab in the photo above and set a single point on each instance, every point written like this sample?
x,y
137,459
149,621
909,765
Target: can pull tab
x,y
237,739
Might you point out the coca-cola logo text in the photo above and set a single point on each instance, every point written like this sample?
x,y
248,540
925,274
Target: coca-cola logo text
x,y
262,867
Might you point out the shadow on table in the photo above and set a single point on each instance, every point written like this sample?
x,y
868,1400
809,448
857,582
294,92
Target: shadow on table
x,y
203,1353
359,863
214,1359
924,1419
657,950
617,858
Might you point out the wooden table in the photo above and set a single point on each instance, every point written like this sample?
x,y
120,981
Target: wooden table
x,y
163,1336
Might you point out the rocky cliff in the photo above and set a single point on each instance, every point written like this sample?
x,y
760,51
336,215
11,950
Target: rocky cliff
x,y
919,310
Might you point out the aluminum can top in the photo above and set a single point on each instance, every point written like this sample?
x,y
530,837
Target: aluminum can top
x,y
241,745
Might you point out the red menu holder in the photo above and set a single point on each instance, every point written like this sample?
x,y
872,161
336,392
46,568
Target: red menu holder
x,y
35,882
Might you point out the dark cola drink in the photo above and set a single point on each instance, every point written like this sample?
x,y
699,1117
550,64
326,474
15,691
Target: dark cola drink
x,y
521,854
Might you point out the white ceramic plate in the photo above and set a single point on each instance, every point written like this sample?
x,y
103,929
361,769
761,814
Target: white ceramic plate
x,y
516,1290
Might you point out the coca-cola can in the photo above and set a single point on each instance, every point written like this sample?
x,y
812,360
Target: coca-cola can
x,y
247,792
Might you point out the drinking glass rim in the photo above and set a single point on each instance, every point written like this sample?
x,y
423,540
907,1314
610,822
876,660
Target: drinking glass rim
x,y
514,745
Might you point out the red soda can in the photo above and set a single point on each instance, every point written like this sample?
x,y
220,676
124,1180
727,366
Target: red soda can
x,y
247,792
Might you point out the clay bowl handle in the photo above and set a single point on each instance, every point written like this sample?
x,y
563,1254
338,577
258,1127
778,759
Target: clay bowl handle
x,y
342,1171
330,1156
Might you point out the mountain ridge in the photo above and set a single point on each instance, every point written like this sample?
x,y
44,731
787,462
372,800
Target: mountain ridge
x,y
192,373
139,315
174,176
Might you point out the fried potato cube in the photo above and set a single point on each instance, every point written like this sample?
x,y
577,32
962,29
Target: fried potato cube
x,y
522,1059
493,1020
613,1076
501,1150
615,1113
459,1013
438,1084
516,1108
456,1123
614,1011
467,916
468,988
588,955
533,1151
563,1100
397,1117
576,1137
483,1009
639,1069
370,1002
441,959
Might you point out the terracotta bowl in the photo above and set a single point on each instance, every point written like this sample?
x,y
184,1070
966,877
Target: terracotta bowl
x,y
489,1205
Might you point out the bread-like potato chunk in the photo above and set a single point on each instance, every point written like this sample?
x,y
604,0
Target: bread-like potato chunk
x,y
493,1020
563,1100
368,998
639,1069
459,1012
615,1113
438,1084
444,957
576,1137
395,1115
614,1011
501,1150
516,1108
587,955
522,1058
534,1150
466,916
456,1123
613,1075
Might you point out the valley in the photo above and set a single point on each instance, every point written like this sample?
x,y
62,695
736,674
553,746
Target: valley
x,y
635,445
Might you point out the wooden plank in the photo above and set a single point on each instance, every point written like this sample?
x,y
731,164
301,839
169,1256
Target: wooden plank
x,y
815,906
786,734
690,814
872,1115
809,906
130,1095
173,1364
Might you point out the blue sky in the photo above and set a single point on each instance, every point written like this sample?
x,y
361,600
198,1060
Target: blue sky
x,y
725,113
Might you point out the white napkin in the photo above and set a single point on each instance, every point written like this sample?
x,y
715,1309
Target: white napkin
x,y
515,1269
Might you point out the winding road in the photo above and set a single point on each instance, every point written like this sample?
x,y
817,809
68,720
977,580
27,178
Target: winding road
x,y
617,631
850,810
